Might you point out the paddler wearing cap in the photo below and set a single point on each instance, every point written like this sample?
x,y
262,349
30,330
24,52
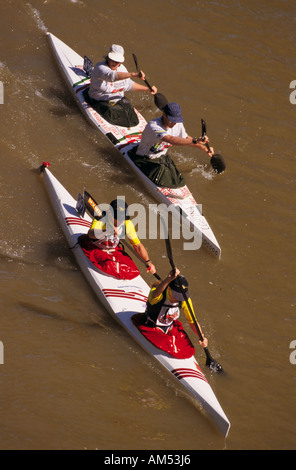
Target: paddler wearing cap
x,y
102,242
158,136
164,302
109,81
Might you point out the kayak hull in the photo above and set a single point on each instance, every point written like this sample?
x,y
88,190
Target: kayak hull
x,y
180,201
125,298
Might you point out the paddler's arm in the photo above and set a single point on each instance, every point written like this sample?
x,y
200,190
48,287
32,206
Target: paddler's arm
x,y
199,143
190,320
138,246
159,289
96,230
142,252
136,86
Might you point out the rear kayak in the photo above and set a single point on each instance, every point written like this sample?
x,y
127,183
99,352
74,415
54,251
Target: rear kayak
x,y
180,200
124,299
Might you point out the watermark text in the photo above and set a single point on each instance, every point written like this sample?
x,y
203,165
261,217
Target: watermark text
x,y
293,94
155,224
293,353
1,93
1,353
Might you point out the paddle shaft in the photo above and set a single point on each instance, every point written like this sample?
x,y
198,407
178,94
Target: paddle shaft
x,y
212,363
140,73
170,256
204,132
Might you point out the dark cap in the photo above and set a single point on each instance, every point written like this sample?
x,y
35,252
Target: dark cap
x,y
173,112
175,284
120,209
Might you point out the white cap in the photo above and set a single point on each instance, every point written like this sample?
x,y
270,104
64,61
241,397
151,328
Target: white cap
x,y
116,53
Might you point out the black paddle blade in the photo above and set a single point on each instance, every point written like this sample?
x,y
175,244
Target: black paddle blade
x,y
212,363
203,128
136,62
218,163
160,101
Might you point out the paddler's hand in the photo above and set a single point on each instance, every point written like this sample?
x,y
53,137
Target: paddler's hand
x,y
154,90
204,343
205,142
141,75
209,151
173,274
150,267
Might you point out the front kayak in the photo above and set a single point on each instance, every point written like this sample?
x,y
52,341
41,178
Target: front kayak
x,y
126,300
180,200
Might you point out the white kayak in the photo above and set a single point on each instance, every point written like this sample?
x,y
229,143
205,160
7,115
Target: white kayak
x,y
180,200
125,298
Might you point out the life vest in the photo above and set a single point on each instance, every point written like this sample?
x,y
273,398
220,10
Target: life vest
x,y
109,241
163,313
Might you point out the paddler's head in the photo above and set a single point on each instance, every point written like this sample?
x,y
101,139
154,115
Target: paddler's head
x,y
172,114
118,211
115,56
179,286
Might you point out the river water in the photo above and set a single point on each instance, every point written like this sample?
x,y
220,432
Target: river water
x,y
72,378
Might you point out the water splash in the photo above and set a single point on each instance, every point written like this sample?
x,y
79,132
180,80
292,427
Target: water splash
x,y
36,15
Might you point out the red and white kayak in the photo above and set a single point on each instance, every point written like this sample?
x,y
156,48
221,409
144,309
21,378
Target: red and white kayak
x,y
180,200
123,299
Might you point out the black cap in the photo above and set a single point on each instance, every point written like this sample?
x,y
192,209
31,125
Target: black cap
x,y
120,208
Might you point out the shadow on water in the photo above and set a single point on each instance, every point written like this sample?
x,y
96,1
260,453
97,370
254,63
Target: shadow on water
x,y
50,313
67,104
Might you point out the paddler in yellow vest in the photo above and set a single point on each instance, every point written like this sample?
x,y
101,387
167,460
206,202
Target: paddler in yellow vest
x,y
105,236
162,326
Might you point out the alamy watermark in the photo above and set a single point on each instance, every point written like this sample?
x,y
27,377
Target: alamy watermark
x,y
293,353
1,353
293,94
160,217
1,93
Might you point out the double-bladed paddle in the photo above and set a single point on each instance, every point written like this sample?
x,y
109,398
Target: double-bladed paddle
x,y
217,161
210,362
159,99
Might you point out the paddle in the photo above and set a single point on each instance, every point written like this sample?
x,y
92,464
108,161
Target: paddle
x,y
210,362
94,210
217,161
159,99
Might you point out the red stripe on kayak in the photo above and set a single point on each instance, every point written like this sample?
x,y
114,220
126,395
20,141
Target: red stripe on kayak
x,y
183,373
77,221
123,294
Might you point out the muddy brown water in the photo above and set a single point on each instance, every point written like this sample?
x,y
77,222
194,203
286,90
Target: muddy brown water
x,y
72,378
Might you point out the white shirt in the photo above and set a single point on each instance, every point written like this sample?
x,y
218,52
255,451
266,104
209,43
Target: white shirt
x,y
104,85
151,144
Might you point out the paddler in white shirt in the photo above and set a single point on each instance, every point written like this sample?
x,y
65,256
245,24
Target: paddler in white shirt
x,y
109,81
158,136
